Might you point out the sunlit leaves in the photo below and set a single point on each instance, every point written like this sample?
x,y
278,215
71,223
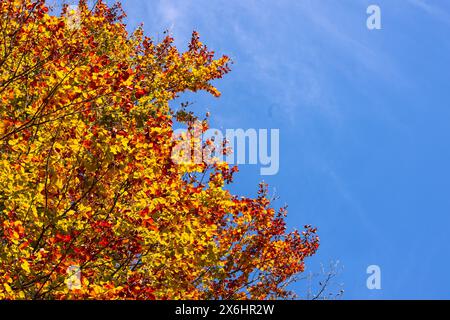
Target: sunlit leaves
x,y
87,178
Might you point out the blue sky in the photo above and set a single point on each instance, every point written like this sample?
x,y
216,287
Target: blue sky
x,y
364,124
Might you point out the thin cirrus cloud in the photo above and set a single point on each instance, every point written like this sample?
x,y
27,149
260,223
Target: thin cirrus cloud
x,y
431,9
286,48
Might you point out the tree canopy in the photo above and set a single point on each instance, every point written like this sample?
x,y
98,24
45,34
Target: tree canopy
x,y
87,179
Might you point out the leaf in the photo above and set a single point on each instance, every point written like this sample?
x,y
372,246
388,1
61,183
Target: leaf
x,y
25,266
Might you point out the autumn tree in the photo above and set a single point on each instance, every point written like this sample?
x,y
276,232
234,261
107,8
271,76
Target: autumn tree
x,y
87,177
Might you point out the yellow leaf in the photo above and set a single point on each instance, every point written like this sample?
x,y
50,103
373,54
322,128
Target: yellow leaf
x,y
15,235
114,149
8,288
34,212
26,266
60,74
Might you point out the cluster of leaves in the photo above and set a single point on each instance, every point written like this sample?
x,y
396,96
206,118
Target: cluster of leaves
x,y
87,179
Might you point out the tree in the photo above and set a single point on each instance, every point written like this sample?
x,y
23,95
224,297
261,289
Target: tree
x,y
89,188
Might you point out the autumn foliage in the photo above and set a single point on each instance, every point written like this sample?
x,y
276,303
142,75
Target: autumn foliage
x,y
87,179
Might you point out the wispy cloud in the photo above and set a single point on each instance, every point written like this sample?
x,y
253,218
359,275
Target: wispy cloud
x,y
169,12
287,48
431,9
